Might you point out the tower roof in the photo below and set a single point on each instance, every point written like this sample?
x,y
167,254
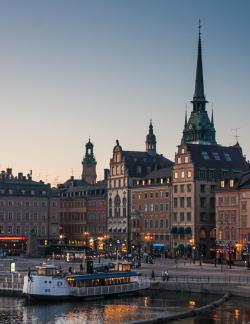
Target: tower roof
x,y
199,84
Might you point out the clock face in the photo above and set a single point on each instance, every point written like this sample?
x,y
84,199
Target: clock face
x,y
190,126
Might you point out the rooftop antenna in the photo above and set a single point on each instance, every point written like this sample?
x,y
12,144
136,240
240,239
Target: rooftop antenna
x,y
236,136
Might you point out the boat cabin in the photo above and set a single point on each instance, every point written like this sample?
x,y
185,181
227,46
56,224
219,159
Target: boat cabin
x,y
46,270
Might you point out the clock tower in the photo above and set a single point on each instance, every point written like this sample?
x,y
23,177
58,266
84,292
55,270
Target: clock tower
x,y
89,165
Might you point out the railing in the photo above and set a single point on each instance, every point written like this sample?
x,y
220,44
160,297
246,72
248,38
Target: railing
x,y
239,280
112,289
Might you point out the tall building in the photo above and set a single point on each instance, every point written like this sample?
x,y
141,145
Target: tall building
x,y
125,167
89,164
199,165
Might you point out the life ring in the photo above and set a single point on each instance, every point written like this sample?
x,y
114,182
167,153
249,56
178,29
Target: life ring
x,y
59,284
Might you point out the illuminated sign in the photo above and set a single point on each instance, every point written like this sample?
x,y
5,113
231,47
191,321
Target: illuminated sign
x,y
13,238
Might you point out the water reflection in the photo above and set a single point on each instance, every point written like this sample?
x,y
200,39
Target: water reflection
x,y
121,310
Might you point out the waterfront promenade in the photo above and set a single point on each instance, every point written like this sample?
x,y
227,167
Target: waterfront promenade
x,y
184,276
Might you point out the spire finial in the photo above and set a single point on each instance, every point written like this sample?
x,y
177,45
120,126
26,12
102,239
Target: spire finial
x,y
186,117
199,28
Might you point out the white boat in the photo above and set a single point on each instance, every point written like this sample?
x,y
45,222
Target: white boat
x,y
47,283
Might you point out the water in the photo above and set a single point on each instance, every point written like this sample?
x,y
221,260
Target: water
x,y
122,310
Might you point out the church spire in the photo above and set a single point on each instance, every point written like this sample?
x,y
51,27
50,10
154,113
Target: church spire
x,y
198,128
212,117
199,100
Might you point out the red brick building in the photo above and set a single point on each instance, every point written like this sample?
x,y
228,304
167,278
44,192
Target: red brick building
x,y
151,209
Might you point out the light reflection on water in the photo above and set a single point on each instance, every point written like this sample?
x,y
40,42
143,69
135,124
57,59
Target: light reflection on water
x,y
121,310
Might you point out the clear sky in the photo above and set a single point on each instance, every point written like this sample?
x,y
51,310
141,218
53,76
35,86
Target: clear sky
x,y
74,69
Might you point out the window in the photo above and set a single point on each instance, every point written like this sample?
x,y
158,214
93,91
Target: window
x,y
189,202
166,206
212,188
145,195
156,208
216,156
166,223
161,223
243,220
182,188
145,223
175,189
186,159
139,169
189,187
182,202
227,157
176,175
156,223
161,207
203,188
189,174
231,183
175,203
175,217
181,217
202,202
145,207
151,223
202,217
179,160
182,174
220,201
151,195
244,205
182,151
222,184
151,207
202,173
189,218
205,155
156,195
117,205
110,207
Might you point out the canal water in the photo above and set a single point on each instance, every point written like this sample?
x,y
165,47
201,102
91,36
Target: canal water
x,y
122,310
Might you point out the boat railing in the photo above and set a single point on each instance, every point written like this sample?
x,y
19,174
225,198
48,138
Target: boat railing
x,y
111,289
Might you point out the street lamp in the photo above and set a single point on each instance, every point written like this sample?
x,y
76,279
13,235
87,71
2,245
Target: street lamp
x,y
148,238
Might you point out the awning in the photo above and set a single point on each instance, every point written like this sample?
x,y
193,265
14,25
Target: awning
x,y
188,230
180,231
174,230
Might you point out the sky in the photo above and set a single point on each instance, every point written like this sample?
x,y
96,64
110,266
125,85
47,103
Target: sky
x,y
70,70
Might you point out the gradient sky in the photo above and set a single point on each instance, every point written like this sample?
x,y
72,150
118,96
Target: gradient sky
x,y
74,69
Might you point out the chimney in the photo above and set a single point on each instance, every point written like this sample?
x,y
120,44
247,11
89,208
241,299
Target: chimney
x,y
20,175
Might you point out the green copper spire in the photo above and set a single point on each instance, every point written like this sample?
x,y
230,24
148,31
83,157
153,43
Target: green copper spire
x,y
199,129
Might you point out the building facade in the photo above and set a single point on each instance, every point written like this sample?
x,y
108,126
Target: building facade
x,y
150,212
27,208
233,213
125,168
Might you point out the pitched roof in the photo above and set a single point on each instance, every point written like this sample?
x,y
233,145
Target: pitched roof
x,y
220,158
144,161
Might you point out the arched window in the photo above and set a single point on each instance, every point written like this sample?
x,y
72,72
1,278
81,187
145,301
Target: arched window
x,y
110,207
124,207
117,204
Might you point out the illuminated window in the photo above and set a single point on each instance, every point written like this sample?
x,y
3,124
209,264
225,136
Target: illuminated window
x,y
222,184
176,175
186,159
216,156
183,174
179,160
231,183
189,174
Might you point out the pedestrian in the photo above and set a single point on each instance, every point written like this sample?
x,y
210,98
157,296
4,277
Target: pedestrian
x,y
166,275
153,274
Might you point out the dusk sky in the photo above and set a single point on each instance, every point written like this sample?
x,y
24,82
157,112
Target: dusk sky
x,y
74,69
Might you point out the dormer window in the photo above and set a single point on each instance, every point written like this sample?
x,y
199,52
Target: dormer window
x,y
182,151
216,156
227,157
222,184
205,155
